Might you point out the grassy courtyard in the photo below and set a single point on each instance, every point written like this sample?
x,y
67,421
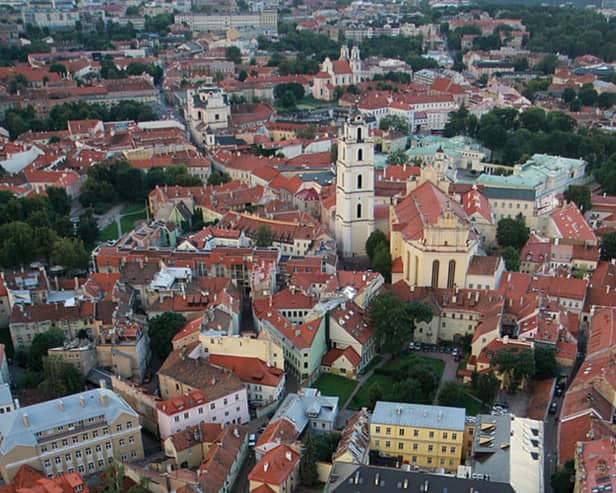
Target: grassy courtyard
x,y
334,385
131,213
386,382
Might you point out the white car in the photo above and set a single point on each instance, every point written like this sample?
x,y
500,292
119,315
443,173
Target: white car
x,y
252,440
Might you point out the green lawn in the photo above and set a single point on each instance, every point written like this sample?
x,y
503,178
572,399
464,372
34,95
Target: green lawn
x,y
472,406
437,365
362,398
334,385
134,213
386,383
375,361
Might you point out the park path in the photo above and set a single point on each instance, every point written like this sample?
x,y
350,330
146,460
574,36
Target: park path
x,y
449,372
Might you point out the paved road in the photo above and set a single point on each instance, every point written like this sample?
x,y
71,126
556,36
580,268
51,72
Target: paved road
x,y
449,372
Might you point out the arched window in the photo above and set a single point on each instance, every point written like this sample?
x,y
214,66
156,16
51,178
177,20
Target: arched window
x,y
435,268
358,211
360,154
359,182
359,134
451,273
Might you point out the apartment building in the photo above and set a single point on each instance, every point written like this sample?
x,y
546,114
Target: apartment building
x,y
428,437
82,433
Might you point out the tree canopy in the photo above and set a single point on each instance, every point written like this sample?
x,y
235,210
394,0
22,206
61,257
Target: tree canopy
x,y
512,232
516,366
394,320
608,246
161,330
511,256
580,194
263,236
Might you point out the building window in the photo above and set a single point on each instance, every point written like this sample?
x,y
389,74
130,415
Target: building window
x,y
429,460
99,448
443,449
452,450
401,432
358,211
47,463
377,429
430,448
445,435
129,425
451,274
359,181
78,454
122,442
212,406
58,460
415,446
88,451
200,410
388,431
415,433
431,434
387,444
454,436
131,439
435,269
118,427
107,445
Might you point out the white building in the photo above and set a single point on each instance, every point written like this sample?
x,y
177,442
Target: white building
x,y
207,109
193,407
354,187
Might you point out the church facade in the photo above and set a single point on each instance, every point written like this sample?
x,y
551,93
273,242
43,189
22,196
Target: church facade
x,y
343,72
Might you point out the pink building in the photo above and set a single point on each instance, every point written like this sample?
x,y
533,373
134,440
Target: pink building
x,y
193,407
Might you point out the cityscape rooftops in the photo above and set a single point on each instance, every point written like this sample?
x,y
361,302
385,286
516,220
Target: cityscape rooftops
x,y
419,416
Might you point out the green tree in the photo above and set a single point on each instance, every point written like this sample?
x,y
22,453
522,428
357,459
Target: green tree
x,y
580,194
397,158
161,330
606,100
511,256
288,100
58,68
396,123
545,362
16,240
233,54
608,246
547,64
242,75
308,462
70,253
487,388
452,394
381,262
408,390
376,238
533,119
263,236
82,334
375,394
568,95
394,320
575,105
59,201
516,366
218,178
61,378
41,342
512,232
113,481
132,11
563,479
87,229
587,95
44,241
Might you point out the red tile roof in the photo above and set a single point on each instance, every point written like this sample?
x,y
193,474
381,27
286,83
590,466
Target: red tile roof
x,y
602,331
570,223
352,320
276,466
334,354
249,370
279,431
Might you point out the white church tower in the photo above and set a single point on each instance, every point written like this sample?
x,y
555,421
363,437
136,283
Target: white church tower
x,y
354,187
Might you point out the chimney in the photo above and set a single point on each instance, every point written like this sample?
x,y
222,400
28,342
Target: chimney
x,y
102,383
25,419
377,479
288,456
266,467
61,405
82,401
16,404
104,398
405,484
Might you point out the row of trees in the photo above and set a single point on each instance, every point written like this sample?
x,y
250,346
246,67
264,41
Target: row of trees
x,y
118,181
109,70
39,228
20,120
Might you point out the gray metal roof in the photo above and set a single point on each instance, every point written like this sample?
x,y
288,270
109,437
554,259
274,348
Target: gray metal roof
x,y
419,416
58,412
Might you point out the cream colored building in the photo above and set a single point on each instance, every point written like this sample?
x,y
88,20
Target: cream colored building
x,y
354,187
429,437
433,237
81,433
263,349
81,356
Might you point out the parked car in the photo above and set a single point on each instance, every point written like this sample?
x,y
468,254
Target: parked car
x,y
553,407
559,391
252,440
262,428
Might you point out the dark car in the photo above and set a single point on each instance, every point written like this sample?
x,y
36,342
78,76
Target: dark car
x,y
553,407
559,391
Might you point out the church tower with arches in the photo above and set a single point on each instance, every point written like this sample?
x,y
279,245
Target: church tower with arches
x,y
354,187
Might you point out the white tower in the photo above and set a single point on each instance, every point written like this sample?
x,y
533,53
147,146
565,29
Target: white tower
x,y
356,65
354,187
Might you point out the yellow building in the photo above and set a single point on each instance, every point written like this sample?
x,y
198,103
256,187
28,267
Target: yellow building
x,y
429,437
433,237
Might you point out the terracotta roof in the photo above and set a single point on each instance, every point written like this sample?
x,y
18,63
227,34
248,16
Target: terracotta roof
x,y
476,203
198,374
602,331
352,320
249,370
483,265
570,223
207,433
334,354
275,466
279,431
